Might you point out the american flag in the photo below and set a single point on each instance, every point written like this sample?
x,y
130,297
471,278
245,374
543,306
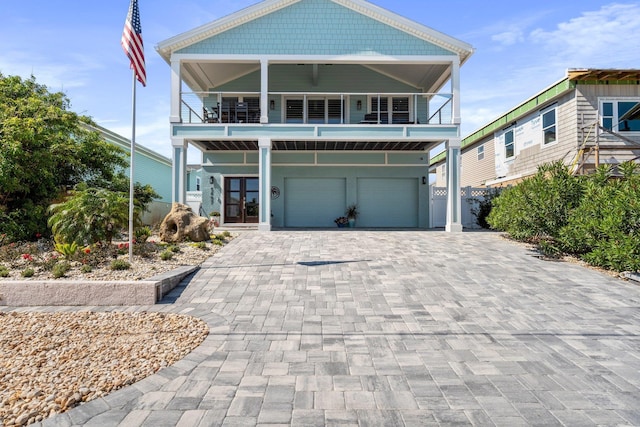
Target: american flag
x,y
132,42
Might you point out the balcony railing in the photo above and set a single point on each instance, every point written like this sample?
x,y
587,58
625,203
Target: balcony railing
x,y
318,108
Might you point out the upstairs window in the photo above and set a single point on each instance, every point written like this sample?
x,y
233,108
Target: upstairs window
x,y
621,115
481,152
549,127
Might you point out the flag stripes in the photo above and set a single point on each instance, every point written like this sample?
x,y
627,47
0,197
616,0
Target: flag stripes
x,y
132,42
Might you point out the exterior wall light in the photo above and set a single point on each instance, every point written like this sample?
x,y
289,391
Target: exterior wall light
x,y
424,180
359,105
272,104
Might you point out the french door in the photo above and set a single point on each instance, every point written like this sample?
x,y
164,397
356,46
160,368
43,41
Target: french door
x,y
241,200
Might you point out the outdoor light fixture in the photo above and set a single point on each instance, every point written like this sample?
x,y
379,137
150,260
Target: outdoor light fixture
x,y
211,180
272,104
359,105
424,180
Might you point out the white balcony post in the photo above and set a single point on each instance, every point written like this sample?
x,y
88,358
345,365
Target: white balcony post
x,y
264,147
264,91
455,88
454,211
179,170
176,89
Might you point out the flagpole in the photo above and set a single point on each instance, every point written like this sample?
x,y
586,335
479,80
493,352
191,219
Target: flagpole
x,y
131,164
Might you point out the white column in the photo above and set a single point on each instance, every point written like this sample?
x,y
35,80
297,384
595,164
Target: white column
x,y
264,91
454,211
264,146
179,170
455,88
176,85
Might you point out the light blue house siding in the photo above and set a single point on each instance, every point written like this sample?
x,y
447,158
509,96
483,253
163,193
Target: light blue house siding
x,y
313,189
149,168
315,27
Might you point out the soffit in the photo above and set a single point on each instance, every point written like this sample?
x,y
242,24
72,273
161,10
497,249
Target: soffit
x,y
603,74
282,145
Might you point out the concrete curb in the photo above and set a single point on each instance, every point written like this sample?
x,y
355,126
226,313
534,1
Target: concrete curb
x,y
631,276
18,293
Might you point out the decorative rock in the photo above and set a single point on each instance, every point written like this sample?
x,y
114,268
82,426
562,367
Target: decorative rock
x,y
182,222
89,361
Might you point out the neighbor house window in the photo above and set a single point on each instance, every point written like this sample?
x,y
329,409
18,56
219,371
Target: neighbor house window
x,y
549,126
197,183
481,152
621,115
509,144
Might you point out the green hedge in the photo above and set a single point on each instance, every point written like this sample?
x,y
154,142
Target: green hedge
x,y
595,217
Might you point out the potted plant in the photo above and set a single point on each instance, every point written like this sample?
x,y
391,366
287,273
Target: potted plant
x,y
215,217
341,221
352,214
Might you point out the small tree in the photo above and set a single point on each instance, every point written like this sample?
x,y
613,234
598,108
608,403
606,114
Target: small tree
x,y
44,149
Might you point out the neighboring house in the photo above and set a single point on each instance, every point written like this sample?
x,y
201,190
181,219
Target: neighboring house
x,y
303,107
589,118
149,168
194,189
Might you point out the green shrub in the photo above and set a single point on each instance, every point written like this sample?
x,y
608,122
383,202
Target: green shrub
x,y
604,230
142,234
200,245
166,255
539,206
60,269
4,271
174,248
86,269
119,264
28,272
484,206
67,250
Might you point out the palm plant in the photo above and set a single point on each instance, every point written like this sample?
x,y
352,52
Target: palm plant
x,y
89,215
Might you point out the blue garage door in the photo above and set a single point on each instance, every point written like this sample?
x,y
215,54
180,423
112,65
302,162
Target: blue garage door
x,y
388,202
313,202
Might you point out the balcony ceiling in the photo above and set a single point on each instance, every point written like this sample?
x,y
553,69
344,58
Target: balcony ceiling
x,y
202,76
421,146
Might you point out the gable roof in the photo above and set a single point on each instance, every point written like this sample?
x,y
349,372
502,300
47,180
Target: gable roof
x,y
262,9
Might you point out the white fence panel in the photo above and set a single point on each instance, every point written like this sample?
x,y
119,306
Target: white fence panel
x,y
470,198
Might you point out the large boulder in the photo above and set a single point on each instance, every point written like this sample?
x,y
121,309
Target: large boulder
x,y
181,223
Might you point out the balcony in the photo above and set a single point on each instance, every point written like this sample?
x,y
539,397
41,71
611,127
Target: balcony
x,y
313,108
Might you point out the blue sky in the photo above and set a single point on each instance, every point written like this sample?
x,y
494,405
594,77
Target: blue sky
x,y
521,48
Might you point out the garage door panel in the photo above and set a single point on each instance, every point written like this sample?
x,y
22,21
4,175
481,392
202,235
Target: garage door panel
x,y
388,202
313,202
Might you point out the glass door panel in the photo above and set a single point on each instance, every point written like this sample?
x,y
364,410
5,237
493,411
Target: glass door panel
x,y
242,200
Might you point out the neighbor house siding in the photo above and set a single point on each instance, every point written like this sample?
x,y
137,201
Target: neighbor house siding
x,y
476,172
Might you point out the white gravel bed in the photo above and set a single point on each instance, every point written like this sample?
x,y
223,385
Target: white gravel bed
x,y
51,362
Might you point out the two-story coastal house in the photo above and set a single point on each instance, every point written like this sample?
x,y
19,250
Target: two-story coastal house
x,y
589,118
303,107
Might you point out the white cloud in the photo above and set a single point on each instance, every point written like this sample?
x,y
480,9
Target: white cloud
x,y
602,38
510,37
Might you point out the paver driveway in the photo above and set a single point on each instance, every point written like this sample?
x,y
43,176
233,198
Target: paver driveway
x,y
392,328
